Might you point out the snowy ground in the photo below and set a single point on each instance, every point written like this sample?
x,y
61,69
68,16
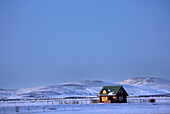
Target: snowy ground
x,y
161,106
126,108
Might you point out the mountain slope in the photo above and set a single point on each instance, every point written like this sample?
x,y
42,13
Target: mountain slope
x,y
148,85
134,86
144,81
70,89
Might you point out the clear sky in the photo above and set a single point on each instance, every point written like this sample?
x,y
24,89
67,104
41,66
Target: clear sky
x,y
47,42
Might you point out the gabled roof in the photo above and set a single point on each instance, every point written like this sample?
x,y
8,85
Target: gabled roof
x,y
113,90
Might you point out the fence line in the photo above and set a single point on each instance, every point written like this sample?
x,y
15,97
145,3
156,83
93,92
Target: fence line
x,y
77,107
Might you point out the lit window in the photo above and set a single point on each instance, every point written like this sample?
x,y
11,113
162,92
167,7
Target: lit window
x,y
114,97
104,98
104,91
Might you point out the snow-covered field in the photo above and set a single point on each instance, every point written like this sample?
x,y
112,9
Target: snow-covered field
x,y
142,108
161,106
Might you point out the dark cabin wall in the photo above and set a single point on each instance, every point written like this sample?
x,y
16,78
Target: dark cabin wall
x,y
122,93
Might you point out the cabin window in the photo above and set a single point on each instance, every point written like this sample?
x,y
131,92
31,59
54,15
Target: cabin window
x,y
120,91
114,97
104,91
104,98
120,98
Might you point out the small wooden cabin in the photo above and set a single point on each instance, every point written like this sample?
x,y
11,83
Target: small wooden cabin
x,y
113,94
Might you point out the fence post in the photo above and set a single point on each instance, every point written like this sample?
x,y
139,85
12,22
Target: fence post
x,y
4,109
36,108
21,109
44,109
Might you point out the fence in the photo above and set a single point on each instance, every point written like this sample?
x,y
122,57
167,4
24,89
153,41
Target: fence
x,y
57,105
78,107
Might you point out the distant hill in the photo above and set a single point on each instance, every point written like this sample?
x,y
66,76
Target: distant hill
x,y
85,88
144,81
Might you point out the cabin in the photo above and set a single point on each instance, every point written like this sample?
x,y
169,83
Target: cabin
x,y
113,94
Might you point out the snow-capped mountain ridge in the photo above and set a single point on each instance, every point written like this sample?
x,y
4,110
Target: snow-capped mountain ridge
x,y
134,86
144,81
86,83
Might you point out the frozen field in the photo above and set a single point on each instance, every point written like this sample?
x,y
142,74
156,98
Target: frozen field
x,y
126,108
83,107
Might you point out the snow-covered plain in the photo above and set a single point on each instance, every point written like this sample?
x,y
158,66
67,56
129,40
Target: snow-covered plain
x,y
85,106
124,108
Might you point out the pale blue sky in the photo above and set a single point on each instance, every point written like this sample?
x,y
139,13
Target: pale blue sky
x,y
47,42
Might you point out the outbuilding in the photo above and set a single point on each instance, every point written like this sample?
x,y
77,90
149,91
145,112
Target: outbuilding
x,y
113,94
